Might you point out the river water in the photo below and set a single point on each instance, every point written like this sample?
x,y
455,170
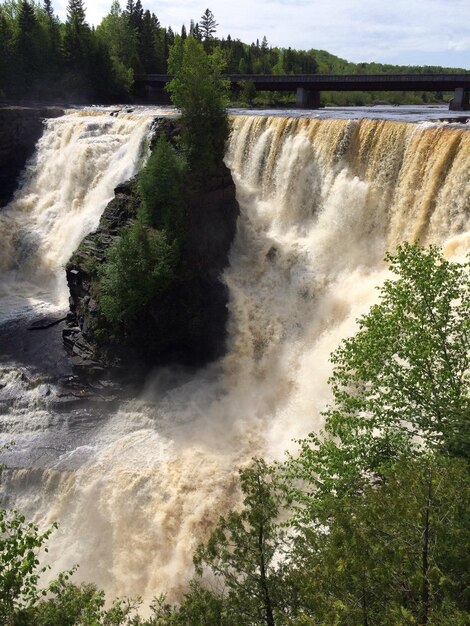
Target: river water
x,y
135,485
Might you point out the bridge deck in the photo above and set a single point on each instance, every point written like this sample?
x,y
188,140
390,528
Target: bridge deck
x,y
334,82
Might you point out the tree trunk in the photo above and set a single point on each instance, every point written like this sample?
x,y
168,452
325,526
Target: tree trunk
x,y
425,591
268,609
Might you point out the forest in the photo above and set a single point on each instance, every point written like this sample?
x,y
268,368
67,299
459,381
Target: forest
x,y
44,59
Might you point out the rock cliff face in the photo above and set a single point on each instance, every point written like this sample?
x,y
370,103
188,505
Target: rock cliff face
x,y
187,323
20,129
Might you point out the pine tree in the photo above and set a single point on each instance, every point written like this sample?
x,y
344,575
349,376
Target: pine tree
x,y
76,44
26,18
207,25
76,12
48,8
148,44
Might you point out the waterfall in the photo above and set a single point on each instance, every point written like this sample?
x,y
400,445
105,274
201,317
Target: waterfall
x,y
321,201
79,160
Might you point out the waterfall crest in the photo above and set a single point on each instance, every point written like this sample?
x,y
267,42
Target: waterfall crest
x,y
321,202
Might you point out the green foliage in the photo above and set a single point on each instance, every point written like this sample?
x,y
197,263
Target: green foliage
x,y
247,91
406,372
20,542
207,25
139,267
396,553
381,498
69,604
400,385
199,92
162,187
244,551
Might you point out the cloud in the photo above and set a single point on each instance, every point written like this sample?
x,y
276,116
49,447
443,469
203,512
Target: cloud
x,y
459,44
432,31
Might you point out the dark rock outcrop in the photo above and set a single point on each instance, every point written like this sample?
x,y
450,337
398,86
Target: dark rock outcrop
x,y
20,129
187,323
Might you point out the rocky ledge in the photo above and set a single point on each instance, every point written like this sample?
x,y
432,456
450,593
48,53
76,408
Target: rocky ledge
x,y
20,129
187,323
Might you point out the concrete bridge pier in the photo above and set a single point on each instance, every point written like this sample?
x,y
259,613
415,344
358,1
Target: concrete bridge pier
x,y
307,99
460,101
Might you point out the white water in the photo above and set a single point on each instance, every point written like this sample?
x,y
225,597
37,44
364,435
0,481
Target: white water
x,y
321,201
81,157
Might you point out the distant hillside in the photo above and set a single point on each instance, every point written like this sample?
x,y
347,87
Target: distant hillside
x,y
328,63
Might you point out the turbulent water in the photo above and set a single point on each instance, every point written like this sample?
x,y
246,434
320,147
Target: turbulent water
x,y
321,201
81,157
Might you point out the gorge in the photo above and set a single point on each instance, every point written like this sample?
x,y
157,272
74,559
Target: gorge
x,y
135,485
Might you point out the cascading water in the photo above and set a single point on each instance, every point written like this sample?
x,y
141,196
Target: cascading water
x,y
81,157
321,201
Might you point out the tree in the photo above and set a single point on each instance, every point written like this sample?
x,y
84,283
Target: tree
x,y
121,42
207,25
26,17
148,43
139,267
20,542
243,549
76,13
77,37
48,8
6,52
393,554
247,91
26,39
162,187
199,92
406,372
401,384
381,497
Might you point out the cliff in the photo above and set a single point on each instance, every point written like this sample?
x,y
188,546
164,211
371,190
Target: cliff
x,y
187,323
20,129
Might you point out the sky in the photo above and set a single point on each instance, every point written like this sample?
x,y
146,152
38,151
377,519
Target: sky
x,y
405,32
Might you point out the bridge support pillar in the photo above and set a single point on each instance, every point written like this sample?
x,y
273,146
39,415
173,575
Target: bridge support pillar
x,y
460,101
306,99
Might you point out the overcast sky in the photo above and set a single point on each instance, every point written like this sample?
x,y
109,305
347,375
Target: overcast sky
x,y
407,32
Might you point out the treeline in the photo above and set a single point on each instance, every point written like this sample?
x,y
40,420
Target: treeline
x,y
368,525
43,58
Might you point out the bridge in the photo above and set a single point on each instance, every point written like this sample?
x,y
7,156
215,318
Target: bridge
x,y
308,86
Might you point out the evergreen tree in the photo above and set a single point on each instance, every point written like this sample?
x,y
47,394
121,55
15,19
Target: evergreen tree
x,y
207,25
162,184
148,44
26,19
244,550
76,42
26,40
48,8
199,92
6,53
76,13
139,267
